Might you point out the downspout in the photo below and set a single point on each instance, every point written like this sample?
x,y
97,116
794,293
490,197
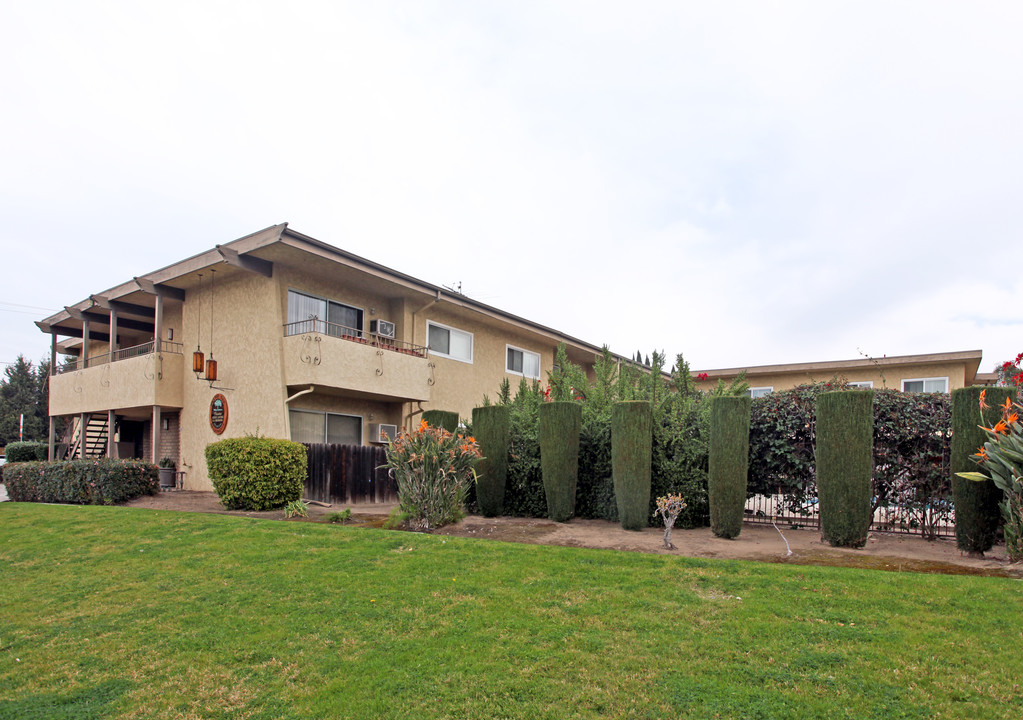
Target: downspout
x,y
300,393
416,312
408,418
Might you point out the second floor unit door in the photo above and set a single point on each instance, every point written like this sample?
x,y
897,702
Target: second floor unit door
x,y
308,313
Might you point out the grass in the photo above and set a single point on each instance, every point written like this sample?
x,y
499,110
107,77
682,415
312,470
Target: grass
x,y
127,613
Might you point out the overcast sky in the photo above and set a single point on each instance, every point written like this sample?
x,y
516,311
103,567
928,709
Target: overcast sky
x,y
746,183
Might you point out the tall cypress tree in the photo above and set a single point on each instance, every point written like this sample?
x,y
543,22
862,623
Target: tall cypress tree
x,y
845,465
728,462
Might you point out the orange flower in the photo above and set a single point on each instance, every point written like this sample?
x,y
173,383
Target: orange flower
x,y
1007,406
1000,428
1012,419
982,454
423,425
983,405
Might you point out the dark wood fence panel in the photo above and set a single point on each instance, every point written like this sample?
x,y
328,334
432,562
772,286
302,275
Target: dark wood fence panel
x,y
348,475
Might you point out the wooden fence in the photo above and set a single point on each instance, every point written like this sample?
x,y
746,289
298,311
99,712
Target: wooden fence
x,y
348,475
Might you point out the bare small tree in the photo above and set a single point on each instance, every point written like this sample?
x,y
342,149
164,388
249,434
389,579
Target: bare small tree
x,y
669,507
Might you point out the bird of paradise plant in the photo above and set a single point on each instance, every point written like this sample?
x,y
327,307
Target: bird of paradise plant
x,y
433,469
1001,459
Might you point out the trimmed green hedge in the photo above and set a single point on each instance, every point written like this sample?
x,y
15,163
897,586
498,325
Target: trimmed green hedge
x,y
845,465
26,452
976,503
256,473
491,427
81,482
631,446
442,419
728,462
560,424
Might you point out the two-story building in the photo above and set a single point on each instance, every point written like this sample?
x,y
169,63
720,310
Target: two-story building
x,y
279,334
932,372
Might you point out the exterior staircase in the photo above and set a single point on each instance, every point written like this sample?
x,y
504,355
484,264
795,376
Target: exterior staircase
x,y
94,438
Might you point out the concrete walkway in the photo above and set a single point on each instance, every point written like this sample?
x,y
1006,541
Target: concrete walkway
x,y
3,493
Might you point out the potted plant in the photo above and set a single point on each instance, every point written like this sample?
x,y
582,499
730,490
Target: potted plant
x,y
167,473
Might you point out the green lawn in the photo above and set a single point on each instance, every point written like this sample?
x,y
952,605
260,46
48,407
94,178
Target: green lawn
x,y
124,613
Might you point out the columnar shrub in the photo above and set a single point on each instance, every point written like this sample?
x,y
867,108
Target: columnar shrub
x,y
728,462
257,473
631,446
560,423
845,463
976,503
442,419
1000,459
492,426
82,482
433,469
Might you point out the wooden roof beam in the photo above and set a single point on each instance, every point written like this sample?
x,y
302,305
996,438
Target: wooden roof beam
x,y
151,288
246,262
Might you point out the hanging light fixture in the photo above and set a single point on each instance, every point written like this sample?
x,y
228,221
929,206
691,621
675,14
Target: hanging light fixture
x,y
198,359
211,364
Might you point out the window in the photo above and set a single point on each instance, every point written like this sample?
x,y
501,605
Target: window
x,y
938,384
863,384
307,313
523,362
449,342
756,392
309,426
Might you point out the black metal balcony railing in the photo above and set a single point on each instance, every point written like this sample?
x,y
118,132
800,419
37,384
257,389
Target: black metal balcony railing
x,y
147,348
322,327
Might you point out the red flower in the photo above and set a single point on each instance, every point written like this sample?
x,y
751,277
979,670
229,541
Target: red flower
x,y
702,376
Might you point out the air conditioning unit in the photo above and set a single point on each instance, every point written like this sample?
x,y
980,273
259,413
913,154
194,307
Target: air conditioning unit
x,y
381,433
383,328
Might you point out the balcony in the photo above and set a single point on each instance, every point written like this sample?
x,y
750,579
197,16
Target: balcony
x,y
130,377
333,356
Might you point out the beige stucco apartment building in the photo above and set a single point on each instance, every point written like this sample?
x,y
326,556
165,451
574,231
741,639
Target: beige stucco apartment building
x,y
308,342
934,372
280,334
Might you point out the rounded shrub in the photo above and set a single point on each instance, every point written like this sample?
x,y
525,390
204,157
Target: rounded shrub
x,y
845,464
728,463
631,448
492,428
26,451
976,503
560,424
256,473
442,419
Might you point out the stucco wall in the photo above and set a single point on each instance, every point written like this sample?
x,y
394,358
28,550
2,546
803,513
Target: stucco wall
x,y
247,346
153,379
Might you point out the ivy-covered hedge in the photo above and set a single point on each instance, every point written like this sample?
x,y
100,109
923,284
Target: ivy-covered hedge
x,y
26,451
256,473
81,482
912,435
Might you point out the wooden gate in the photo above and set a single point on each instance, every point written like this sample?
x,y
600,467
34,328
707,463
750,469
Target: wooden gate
x,y
348,475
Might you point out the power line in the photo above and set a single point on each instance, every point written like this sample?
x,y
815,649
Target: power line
x,y
30,307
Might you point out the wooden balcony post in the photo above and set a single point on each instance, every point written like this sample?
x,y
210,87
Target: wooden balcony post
x,y
111,419
113,334
155,436
158,324
85,343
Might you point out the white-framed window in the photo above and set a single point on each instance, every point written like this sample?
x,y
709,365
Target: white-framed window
x,y
309,313
522,362
449,342
311,426
934,384
862,384
756,392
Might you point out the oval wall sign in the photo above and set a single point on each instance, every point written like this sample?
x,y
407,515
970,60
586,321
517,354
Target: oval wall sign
x,y
218,413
